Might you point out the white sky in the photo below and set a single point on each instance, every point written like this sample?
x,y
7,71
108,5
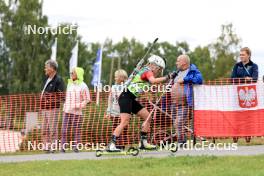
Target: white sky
x,y
195,21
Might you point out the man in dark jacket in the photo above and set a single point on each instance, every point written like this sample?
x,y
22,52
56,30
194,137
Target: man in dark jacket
x,y
51,97
182,94
246,70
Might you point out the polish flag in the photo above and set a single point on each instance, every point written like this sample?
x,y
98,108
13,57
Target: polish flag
x,y
229,110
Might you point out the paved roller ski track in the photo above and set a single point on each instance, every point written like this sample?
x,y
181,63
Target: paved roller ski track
x,y
241,151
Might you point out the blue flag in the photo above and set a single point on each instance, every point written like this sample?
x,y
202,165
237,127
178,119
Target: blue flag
x,y
97,68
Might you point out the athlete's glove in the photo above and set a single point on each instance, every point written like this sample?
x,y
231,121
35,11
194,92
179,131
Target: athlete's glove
x,y
172,75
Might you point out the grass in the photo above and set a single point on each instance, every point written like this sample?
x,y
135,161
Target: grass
x,y
171,166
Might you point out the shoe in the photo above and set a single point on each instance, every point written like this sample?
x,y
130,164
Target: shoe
x,y
248,138
112,148
62,151
145,145
235,139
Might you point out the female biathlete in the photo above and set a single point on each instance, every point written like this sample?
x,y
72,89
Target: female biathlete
x,y
128,103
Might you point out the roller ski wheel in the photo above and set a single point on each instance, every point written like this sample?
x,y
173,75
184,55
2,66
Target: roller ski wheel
x,y
133,151
174,149
98,153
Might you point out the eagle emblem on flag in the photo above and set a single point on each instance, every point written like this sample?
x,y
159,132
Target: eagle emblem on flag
x,y
247,96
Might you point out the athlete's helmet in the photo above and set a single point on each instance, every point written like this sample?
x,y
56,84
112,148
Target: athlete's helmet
x,y
157,60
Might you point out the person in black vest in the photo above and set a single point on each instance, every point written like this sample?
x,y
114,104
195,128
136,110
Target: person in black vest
x,y
51,97
245,71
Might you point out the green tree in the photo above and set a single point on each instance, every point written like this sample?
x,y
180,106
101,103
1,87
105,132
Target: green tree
x,y
27,51
225,51
172,53
23,55
4,68
129,52
202,59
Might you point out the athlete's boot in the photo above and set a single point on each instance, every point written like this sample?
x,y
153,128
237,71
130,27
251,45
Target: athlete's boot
x,y
112,145
144,143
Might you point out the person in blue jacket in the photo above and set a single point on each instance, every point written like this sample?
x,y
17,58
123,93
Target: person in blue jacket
x,y
182,94
245,70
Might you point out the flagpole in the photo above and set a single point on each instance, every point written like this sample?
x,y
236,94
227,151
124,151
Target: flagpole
x,y
54,50
99,85
74,57
111,71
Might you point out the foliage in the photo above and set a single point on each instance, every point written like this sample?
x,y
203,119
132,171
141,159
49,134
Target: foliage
x,y
22,55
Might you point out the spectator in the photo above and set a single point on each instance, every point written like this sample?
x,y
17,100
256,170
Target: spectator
x,y
182,94
50,100
77,96
113,109
245,69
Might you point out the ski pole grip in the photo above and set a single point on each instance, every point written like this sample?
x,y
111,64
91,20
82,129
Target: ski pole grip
x,y
155,40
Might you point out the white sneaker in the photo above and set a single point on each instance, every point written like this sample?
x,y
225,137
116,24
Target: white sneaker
x,y
112,148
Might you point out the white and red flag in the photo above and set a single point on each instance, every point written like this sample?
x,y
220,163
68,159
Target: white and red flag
x,y
229,110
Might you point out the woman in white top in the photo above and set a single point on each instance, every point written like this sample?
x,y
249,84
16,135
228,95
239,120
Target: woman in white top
x,y
77,97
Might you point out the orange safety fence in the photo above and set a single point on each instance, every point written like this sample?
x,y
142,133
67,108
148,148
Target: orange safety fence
x,y
28,122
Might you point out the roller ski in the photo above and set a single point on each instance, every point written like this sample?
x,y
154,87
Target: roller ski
x,y
145,146
112,150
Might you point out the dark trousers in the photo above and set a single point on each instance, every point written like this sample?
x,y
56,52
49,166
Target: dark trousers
x,y
181,120
71,125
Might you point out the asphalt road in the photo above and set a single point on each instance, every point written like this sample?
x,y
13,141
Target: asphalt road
x,y
240,151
